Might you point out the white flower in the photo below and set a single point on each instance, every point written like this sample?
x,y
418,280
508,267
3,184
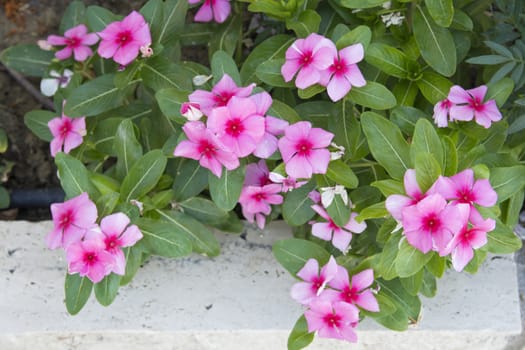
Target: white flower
x,y
328,195
138,204
337,154
49,86
191,111
199,80
394,18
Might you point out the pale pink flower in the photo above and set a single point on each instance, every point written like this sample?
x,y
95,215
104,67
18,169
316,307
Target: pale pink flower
x,y
468,104
256,202
396,202
343,73
49,86
220,94
337,320
467,239
288,183
77,41
191,111
71,220
217,10
441,110
237,125
122,40
357,293
304,150
308,56
431,223
89,259
329,231
67,133
203,145
314,281
116,234
257,174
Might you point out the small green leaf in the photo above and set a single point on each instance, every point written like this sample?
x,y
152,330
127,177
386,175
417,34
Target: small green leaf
x,y
507,180
126,147
222,63
306,23
133,261
372,95
410,260
143,176
442,11
99,18
73,16
77,290
174,20
338,211
413,283
375,211
500,91
269,72
283,111
426,140
160,73
434,87
410,304
161,239
437,265
429,285
360,34
190,179
297,206
450,167
461,21
502,240
300,337
107,289
388,59
293,253
342,174
36,121
170,100
27,59
5,198
389,187
204,210
360,4
386,268
225,191
74,177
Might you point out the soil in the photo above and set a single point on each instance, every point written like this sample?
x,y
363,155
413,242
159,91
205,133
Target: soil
x,y
26,21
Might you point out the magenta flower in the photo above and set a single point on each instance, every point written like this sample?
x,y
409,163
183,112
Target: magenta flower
x,y
465,241
67,133
71,220
257,174
220,94
396,202
256,200
357,293
336,320
237,125
123,40
468,104
441,110
116,234
203,145
309,57
315,282
329,231
343,73
89,259
217,10
431,223
288,183
77,41
304,150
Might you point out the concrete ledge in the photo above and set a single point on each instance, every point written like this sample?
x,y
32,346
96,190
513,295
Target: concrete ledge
x,y
239,300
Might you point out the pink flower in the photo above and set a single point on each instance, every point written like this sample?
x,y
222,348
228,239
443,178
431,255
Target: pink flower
x,y
257,174
116,234
67,133
343,73
309,57
191,111
288,183
123,40
217,10
441,110
340,236
71,219
431,223
304,150
220,94
469,104
268,145
357,293
237,125
203,145
77,41
396,202
336,320
89,258
255,202
465,241
314,281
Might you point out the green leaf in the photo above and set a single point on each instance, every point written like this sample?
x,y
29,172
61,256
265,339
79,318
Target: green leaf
x,y
225,191
126,147
159,73
190,179
161,239
435,43
389,187
387,144
500,91
397,321
437,265
360,34
386,268
427,170
507,180
202,239
388,59
502,240
143,176
372,95
347,129
222,63
306,23
410,304
5,198
27,59
410,260
36,121
73,16
406,117
442,11
269,72
77,290
405,92
293,253
106,203
74,177
153,12
339,212
300,337
204,210
174,20
360,4
170,100
107,289
226,36
429,285
434,87
450,166
488,59
461,21
283,111
413,283
342,174
310,91
426,140
99,18
374,211
297,206
133,261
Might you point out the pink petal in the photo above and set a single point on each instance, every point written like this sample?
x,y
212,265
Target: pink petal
x,y
329,271
318,159
479,92
324,56
309,271
243,107
307,76
395,204
205,13
463,180
204,99
56,40
352,54
77,31
458,95
367,301
321,211
72,141
322,230
187,149
64,53
320,138
445,187
302,292
213,164
299,167
477,238
133,22
338,87
341,239
354,76
461,256
78,125
266,146
289,68
81,53
354,226
419,240
464,113
221,10
411,186
275,126
119,262
107,48
90,39
125,55
228,159
484,193
262,101
440,115
363,279
56,146
114,224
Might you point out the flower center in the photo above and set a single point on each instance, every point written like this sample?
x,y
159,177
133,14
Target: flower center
x,y
259,196
65,220
303,147
465,196
332,320
65,129
111,243
477,104
207,149
431,223
124,37
349,295
90,258
223,98
307,58
234,127
73,42
338,67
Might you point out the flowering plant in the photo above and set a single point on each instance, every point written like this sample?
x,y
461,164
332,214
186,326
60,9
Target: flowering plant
x,y
365,125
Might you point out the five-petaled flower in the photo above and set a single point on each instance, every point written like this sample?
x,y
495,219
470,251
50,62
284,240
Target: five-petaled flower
x,y
217,10
256,200
355,291
332,320
468,105
67,133
315,281
76,40
90,259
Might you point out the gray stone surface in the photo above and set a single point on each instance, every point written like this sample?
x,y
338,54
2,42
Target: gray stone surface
x,y
239,300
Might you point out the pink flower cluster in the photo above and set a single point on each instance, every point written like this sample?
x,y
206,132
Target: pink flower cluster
x,y
315,60
333,299
92,250
217,10
466,105
445,218
67,133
